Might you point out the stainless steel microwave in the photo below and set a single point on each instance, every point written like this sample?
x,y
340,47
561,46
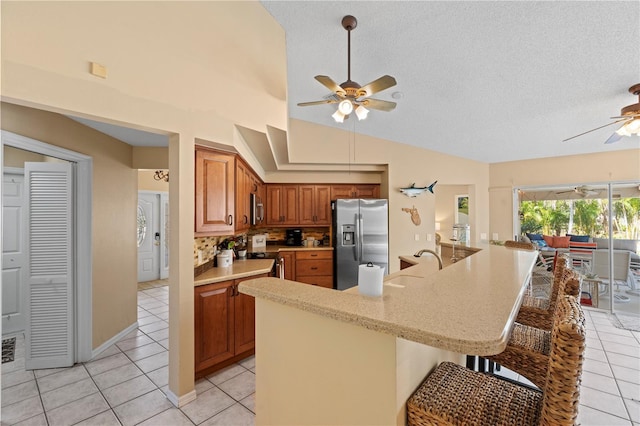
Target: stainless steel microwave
x,y
257,209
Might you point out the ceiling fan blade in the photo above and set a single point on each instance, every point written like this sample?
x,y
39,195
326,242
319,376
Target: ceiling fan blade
x,y
376,86
326,101
597,128
330,84
379,104
615,137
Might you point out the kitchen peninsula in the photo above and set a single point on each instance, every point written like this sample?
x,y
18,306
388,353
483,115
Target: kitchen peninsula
x,y
330,357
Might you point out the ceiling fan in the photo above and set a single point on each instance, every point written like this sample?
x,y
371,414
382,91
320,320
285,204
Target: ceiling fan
x,y
582,190
629,117
350,95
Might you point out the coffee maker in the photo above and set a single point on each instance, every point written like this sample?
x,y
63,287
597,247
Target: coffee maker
x,y
293,237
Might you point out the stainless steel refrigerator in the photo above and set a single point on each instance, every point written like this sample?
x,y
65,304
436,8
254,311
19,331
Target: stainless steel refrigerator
x,y
361,235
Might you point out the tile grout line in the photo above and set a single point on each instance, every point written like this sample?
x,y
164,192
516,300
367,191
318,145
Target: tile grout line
x,y
606,354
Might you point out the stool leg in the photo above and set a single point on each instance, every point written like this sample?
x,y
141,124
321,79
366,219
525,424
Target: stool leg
x,y
471,362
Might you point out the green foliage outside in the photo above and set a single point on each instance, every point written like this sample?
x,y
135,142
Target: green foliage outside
x,y
581,217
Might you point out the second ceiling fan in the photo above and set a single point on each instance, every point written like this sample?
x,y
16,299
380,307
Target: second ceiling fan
x,y
350,96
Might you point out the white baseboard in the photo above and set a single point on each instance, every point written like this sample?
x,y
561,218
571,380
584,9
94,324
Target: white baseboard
x,y
181,401
103,347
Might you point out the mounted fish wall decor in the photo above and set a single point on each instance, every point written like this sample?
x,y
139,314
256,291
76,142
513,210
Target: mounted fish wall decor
x,y
415,216
414,191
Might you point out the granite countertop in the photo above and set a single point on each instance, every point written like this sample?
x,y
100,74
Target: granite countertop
x,y
240,268
468,307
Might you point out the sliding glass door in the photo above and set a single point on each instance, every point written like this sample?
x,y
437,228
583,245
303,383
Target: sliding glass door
x,y
598,225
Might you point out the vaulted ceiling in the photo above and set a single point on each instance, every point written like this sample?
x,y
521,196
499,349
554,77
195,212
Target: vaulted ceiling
x,y
489,81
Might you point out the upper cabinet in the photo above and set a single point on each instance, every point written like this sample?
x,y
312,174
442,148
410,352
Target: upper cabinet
x,y
244,186
224,183
355,191
214,184
315,205
282,205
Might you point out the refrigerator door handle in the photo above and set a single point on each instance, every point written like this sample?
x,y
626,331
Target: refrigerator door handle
x,y
360,230
356,238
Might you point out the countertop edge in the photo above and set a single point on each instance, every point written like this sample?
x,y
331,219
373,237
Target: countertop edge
x,y
327,302
214,278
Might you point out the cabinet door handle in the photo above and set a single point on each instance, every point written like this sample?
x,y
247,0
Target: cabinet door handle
x,y
314,254
230,219
246,219
313,268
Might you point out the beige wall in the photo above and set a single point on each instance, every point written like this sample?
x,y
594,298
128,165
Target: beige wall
x,y
14,157
146,182
615,166
445,207
311,143
114,203
145,157
185,69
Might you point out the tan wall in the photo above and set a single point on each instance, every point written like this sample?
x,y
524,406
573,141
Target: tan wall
x,y
184,69
615,166
14,157
311,143
445,207
145,157
146,182
114,203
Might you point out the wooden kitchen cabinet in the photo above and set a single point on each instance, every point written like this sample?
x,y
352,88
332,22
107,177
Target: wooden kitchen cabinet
x,y
214,185
315,205
224,325
282,205
355,191
244,184
289,260
315,267
214,324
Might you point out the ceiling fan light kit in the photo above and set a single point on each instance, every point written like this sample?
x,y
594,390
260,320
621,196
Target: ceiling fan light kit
x,y
629,117
350,95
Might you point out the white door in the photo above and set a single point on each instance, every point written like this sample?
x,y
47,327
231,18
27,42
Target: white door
x,y
149,236
164,236
49,278
13,252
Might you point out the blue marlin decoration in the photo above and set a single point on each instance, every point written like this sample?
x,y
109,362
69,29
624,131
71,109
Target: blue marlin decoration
x,y
412,191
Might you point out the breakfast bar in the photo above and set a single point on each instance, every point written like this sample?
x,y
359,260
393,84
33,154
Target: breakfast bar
x,y
331,357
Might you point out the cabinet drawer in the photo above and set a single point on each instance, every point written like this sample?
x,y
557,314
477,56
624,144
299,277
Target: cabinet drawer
x,y
320,281
314,254
314,267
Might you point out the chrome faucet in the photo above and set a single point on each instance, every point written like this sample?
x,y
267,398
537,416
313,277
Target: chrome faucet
x,y
421,252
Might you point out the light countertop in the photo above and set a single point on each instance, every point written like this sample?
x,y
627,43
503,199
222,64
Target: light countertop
x,y
240,268
468,307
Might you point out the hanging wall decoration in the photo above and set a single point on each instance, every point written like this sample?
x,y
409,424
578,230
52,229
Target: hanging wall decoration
x,y
415,216
414,191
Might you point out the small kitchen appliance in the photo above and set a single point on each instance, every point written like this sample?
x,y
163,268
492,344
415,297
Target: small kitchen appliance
x,y
293,237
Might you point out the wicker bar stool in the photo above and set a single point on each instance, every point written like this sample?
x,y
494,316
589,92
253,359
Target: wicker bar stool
x,y
454,395
539,312
528,349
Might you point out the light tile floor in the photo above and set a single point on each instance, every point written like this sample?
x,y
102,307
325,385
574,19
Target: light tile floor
x,y
126,383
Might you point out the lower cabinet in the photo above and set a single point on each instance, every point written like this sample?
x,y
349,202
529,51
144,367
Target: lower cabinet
x,y
315,267
224,325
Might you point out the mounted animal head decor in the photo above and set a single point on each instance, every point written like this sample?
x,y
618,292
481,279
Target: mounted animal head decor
x,y
415,216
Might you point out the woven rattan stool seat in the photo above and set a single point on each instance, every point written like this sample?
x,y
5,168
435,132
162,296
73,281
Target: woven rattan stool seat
x,y
527,353
453,395
540,314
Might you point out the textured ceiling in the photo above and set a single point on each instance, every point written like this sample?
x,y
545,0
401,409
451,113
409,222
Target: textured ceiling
x,y
489,81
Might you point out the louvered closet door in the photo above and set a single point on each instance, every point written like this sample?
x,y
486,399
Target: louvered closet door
x,y
49,278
